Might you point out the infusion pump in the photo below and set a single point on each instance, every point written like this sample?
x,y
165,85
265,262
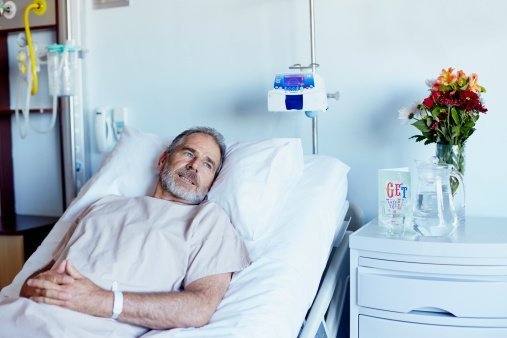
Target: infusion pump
x,y
297,91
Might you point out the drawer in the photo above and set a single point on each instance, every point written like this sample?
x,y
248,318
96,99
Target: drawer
x,y
401,288
372,327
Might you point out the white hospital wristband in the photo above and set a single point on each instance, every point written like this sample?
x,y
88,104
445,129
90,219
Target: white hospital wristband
x,y
117,304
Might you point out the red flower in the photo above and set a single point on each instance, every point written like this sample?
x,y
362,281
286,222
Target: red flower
x,y
434,126
428,102
442,116
449,98
468,96
481,108
470,101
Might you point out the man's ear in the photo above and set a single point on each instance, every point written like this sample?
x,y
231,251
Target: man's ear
x,y
161,160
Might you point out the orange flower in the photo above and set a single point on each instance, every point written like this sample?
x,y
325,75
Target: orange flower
x,y
462,78
472,83
447,76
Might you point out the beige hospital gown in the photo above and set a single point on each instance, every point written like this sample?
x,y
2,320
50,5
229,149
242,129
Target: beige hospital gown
x,y
142,243
147,244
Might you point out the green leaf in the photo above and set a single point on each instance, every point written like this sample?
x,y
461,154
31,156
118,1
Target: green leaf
x,y
455,131
469,124
435,112
455,115
421,125
418,138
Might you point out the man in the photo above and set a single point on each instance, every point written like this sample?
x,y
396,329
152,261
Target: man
x,y
155,262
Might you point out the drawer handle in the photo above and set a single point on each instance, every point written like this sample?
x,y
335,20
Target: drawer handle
x,y
432,309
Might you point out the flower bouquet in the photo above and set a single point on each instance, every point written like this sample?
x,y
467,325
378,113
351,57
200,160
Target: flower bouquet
x,y
448,115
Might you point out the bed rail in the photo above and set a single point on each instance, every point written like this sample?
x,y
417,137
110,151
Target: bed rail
x,y
323,319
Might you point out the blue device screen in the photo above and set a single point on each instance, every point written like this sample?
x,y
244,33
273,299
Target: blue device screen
x,y
294,80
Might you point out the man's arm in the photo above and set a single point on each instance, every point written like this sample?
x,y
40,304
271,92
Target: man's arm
x,y
192,307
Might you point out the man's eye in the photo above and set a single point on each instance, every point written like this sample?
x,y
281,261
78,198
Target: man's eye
x,y
188,154
208,165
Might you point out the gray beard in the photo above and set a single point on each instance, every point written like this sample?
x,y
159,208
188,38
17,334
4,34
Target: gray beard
x,y
169,184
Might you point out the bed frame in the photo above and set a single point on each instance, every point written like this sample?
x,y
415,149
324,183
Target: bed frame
x,y
324,317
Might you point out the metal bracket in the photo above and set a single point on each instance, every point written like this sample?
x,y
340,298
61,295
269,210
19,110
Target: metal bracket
x,y
301,68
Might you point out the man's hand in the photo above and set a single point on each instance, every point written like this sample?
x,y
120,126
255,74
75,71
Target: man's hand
x,y
80,295
48,283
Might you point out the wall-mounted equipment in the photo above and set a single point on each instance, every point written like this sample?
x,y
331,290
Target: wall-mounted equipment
x,y
37,7
61,61
7,9
100,4
12,15
108,126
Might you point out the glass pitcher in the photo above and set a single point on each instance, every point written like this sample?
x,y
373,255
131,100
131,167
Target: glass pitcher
x,y
434,211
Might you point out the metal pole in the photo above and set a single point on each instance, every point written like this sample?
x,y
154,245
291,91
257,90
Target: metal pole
x,y
315,133
72,109
67,121
312,36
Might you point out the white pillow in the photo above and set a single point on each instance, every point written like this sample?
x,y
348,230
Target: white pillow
x,y
129,170
254,180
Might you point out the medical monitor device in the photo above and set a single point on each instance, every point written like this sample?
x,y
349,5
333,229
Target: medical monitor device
x,y
298,91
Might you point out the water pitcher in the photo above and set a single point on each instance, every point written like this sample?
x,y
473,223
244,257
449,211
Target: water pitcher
x,y
434,211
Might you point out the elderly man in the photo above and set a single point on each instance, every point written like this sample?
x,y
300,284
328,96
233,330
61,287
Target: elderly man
x,y
156,262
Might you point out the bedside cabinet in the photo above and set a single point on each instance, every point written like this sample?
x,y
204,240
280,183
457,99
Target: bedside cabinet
x,y
19,238
420,287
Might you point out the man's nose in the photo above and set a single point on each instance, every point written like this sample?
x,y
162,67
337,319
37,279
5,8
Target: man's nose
x,y
192,164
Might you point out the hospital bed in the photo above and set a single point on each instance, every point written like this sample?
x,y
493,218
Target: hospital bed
x,y
288,208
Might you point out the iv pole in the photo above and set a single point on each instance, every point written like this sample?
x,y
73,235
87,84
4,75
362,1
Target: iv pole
x,y
313,65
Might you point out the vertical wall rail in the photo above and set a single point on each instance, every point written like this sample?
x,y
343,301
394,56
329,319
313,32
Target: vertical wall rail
x,y
72,125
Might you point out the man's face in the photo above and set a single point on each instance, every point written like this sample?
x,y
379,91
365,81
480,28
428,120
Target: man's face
x,y
188,173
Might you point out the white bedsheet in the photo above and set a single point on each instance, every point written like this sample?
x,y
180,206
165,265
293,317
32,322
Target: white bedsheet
x,y
271,297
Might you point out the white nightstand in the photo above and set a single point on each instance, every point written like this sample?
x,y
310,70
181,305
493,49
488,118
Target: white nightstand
x,y
412,287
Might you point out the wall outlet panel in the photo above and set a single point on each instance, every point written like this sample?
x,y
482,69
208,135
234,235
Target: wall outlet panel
x,y
16,23
101,4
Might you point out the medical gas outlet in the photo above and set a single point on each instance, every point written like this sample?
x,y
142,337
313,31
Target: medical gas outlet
x,y
297,91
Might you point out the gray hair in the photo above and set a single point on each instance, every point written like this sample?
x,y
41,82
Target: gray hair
x,y
219,139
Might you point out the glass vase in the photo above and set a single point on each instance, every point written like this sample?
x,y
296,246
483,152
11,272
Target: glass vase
x,y
455,155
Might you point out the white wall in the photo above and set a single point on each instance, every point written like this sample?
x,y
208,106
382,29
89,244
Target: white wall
x,y
181,63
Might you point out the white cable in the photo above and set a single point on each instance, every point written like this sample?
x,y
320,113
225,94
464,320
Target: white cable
x,y
53,118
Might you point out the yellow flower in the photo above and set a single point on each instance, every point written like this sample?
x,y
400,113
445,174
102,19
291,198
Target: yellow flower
x,y
447,77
